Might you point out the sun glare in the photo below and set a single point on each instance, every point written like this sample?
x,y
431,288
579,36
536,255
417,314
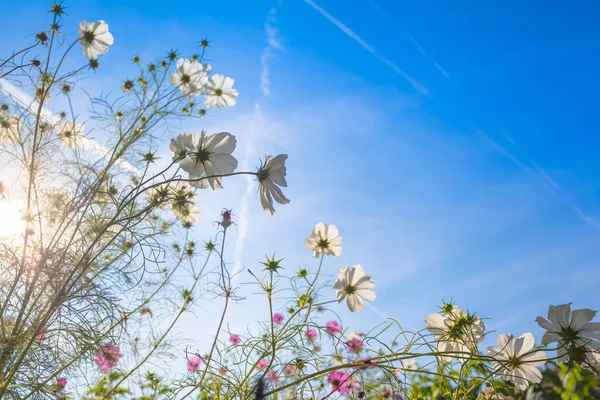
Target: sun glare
x,y
11,223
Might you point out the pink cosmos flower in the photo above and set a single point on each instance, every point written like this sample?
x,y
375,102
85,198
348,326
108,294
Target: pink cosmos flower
x,y
262,364
333,327
338,380
278,318
223,370
311,334
234,340
273,376
61,383
289,370
193,364
41,336
354,345
107,357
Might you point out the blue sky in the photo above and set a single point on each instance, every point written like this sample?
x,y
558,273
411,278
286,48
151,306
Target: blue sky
x,y
455,145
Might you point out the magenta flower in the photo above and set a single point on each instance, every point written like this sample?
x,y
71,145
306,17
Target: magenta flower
x,y
193,364
311,334
289,370
354,345
234,340
61,383
333,327
262,364
278,318
223,370
107,357
337,380
273,376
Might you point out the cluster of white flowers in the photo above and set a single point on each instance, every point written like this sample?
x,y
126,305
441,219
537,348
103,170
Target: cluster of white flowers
x,y
208,158
205,158
517,360
352,284
192,78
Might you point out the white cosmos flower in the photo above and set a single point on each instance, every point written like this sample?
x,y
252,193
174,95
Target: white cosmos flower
x,y
353,285
9,128
70,134
95,38
220,92
270,176
516,361
457,333
574,332
211,157
181,145
324,239
190,76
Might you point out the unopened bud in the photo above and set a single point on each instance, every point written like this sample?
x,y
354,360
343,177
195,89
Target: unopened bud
x,y
226,219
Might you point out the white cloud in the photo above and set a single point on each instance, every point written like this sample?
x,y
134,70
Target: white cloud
x,y
273,43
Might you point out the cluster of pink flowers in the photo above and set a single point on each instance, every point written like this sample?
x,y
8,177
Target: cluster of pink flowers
x,y
341,382
234,340
262,364
107,357
333,327
193,364
278,318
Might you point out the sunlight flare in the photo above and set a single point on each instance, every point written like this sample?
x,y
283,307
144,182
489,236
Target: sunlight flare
x,y
11,223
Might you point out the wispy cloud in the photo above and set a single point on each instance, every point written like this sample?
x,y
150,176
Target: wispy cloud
x,y
508,137
418,46
273,44
427,56
243,219
584,217
541,175
351,34
27,101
